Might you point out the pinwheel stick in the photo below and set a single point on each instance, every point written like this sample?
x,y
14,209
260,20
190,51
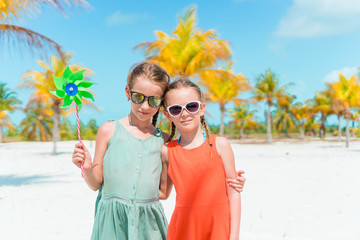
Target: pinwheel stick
x,y
79,135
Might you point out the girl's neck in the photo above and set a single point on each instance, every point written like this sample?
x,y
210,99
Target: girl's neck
x,y
192,139
143,126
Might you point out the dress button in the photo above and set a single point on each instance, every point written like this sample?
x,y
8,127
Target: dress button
x,y
137,171
139,155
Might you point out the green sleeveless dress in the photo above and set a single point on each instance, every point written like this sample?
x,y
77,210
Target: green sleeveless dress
x,y
128,204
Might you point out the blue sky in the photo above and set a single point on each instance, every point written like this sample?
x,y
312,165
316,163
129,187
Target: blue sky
x,y
305,42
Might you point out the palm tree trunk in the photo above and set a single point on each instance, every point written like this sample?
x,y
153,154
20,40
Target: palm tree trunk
x,y
268,124
322,126
339,128
286,129
222,109
242,131
56,128
302,130
347,132
1,133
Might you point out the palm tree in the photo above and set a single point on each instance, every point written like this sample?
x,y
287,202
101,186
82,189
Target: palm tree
x,y
267,89
8,101
38,121
43,81
302,113
347,91
188,50
243,117
223,86
356,116
283,117
11,10
311,125
323,105
339,109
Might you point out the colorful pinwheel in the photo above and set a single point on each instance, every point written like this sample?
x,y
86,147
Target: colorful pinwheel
x,y
72,87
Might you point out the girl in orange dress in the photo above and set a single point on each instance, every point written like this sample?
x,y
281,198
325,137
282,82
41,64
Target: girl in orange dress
x,y
198,166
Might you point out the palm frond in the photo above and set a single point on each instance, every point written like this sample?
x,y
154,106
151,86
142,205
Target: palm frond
x,y
23,37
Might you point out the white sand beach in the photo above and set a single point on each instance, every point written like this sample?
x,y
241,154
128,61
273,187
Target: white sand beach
x,y
297,191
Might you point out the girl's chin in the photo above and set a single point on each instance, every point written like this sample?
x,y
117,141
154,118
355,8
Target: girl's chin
x,y
187,127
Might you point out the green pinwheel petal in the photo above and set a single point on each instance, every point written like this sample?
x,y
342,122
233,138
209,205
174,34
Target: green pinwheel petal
x,y
79,75
54,93
84,84
59,82
68,100
60,93
78,101
67,73
85,93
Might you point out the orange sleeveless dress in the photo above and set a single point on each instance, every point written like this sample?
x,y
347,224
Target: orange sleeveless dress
x,y
202,206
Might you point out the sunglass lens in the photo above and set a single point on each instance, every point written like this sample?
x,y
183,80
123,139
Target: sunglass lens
x,y
175,110
154,101
192,107
137,97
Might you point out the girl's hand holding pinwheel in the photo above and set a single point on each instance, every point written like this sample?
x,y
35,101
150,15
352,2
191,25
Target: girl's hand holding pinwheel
x,y
81,156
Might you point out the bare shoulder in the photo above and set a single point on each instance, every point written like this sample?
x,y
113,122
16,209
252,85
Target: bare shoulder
x,y
221,142
106,130
107,127
223,146
226,153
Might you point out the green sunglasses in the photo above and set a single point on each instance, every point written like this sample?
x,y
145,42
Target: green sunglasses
x,y
138,98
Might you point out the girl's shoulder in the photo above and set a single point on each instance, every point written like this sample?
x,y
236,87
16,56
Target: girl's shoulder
x,y
107,128
220,141
222,145
106,131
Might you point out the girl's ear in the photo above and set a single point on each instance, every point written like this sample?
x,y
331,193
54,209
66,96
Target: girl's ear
x,y
167,115
127,92
202,109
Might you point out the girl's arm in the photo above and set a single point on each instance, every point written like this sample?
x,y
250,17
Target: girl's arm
x,y
165,181
93,171
225,151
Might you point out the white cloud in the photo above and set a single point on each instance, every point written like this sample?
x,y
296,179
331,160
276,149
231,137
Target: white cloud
x,y
309,18
121,18
346,71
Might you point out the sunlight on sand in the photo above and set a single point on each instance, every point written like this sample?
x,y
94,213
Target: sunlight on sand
x,y
293,191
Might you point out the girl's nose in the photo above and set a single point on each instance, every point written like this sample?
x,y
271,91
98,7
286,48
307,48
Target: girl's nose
x,y
185,112
145,104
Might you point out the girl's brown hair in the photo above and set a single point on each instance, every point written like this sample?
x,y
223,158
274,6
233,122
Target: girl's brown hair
x,y
151,72
185,82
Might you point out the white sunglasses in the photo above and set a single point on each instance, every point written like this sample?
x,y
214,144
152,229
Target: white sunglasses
x,y
176,110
